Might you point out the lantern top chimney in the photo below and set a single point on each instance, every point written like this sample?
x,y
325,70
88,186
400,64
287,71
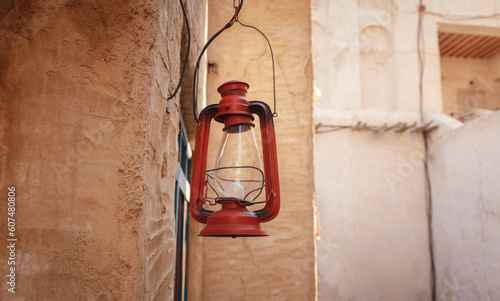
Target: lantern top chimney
x,y
233,87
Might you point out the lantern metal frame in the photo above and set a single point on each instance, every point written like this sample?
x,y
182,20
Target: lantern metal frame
x,y
236,220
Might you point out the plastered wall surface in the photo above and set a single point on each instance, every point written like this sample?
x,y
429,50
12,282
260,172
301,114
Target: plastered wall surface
x,y
372,216
370,187
374,239
281,266
87,143
465,168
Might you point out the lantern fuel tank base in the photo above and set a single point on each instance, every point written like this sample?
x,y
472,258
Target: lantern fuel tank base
x,y
233,220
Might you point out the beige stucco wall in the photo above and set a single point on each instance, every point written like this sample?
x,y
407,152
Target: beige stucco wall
x,y
281,266
371,189
372,215
465,168
87,143
495,68
361,56
370,186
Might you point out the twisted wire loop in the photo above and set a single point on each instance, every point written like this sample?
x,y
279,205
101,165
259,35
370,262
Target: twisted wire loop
x,y
236,11
234,19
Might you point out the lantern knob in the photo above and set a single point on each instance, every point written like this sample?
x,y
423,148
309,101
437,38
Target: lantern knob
x,y
233,87
233,107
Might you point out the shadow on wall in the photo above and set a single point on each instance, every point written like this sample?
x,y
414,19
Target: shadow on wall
x,y
5,7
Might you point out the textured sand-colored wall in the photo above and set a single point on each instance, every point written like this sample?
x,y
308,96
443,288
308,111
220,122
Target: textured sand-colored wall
x,y
87,143
281,266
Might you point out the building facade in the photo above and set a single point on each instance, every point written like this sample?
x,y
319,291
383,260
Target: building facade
x,y
387,138
406,207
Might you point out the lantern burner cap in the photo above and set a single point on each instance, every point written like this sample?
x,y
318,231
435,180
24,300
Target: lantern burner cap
x,y
233,220
233,107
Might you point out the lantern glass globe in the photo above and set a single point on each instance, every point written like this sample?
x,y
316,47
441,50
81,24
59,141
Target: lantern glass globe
x,y
238,166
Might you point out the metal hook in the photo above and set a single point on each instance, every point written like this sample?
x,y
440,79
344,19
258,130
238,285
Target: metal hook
x,y
236,11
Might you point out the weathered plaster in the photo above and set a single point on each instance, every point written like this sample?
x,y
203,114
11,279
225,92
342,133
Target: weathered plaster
x,y
84,137
465,168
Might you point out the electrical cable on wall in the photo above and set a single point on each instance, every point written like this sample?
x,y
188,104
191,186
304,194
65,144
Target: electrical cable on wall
x,y
421,64
170,96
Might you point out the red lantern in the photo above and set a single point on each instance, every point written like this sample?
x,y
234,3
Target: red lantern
x,y
237,179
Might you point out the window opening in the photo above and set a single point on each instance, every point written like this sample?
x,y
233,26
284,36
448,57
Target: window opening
x,y
470,60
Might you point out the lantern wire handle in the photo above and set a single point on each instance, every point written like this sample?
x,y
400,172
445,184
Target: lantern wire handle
x,y
233,20
275,114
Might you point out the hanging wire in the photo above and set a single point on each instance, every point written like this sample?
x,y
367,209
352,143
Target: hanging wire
x,y
170,96
234,19
421,58
197,67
